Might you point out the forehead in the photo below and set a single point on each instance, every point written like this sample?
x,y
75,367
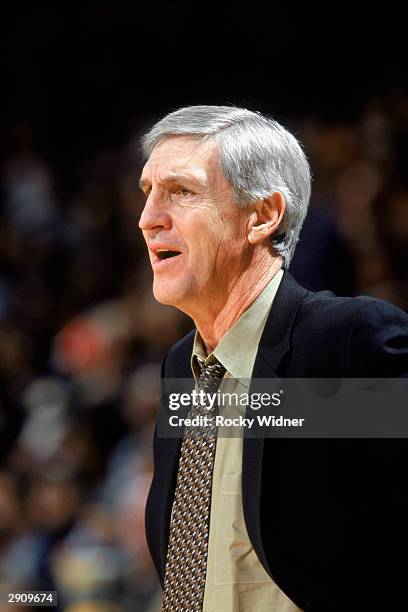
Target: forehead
x,y
177,154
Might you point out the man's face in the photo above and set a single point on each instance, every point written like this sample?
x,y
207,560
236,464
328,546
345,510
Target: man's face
x,y
196,235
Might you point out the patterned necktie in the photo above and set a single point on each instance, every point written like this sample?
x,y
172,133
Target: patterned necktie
x,y
186,564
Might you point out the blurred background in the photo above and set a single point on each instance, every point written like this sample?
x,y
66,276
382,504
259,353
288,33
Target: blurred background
x,y
81,338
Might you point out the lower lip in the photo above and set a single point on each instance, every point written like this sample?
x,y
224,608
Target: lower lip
x,y
162,264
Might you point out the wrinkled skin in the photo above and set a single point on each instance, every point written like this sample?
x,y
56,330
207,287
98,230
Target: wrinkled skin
x,y
225,257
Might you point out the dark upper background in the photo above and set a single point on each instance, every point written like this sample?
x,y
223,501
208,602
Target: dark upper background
x,y
85,77
81,338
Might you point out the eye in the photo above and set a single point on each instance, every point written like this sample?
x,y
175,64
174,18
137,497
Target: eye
x,y
184,192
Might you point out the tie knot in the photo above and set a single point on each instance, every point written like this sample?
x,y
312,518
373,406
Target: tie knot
x,y
211,372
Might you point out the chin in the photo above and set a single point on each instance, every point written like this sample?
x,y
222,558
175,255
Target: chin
x,y
165,294
171,293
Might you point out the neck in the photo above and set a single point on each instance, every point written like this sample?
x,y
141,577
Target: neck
x,y
213,324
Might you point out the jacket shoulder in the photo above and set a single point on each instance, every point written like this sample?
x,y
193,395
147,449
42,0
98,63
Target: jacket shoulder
x,y
368,335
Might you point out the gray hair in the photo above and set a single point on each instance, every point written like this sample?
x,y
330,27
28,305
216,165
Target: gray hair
x,y
257,155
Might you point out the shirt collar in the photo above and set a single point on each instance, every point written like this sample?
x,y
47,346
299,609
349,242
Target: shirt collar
x,y
237,349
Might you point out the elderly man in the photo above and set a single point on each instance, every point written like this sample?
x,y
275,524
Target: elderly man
x,y
237,524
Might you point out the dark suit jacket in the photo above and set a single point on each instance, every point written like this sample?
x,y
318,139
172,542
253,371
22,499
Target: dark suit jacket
x,y
328,518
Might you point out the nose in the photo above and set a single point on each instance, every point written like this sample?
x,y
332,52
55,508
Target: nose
x,y
155,214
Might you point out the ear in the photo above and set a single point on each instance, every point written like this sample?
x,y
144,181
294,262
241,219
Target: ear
x,y
266,217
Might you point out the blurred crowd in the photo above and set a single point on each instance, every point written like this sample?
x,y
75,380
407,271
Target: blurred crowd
x,y
81,339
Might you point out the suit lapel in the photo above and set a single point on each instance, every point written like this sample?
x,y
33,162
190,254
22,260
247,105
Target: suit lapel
x,y
274,344
166,455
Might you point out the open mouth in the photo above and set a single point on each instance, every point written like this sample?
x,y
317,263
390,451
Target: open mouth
x,y
164,254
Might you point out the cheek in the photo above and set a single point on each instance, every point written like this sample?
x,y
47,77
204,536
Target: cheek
x,y
205,228
214,241
215,225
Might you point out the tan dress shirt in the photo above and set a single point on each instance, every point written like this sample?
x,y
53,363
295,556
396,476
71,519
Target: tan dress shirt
x,y
236,580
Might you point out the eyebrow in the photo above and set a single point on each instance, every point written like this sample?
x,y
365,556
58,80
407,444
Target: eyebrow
x,y
143,183
177,177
